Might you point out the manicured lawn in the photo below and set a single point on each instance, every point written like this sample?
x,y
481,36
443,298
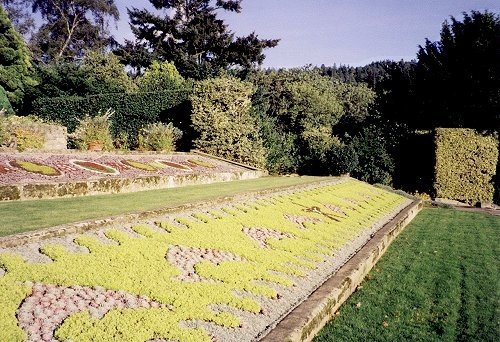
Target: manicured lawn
x,y
439,281
17,217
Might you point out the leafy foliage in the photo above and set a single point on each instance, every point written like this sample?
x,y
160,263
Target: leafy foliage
x,y
15,62
466,164
95,129
375,164
4,102
159,137
160,76
191,35
27,131
71,27
132,111
458,78
221,117
105,74
302,109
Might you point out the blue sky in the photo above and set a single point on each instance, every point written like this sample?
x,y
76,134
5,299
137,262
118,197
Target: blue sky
x,y
352,32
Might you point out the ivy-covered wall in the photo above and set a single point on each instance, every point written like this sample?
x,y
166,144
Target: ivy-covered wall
x,y
466,162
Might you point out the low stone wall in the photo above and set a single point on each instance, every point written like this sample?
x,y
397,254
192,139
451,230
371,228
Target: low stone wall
x,y
56,138
307,319
117,185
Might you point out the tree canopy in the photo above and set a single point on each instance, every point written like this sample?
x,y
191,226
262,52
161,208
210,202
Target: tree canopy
x,y
458,77
190,34
71,26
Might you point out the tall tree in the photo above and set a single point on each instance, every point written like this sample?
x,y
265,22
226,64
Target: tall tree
x,y
190,34
458,77
15,62
20,17
71,27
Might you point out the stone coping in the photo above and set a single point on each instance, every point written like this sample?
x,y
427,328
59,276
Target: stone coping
x,y
309,317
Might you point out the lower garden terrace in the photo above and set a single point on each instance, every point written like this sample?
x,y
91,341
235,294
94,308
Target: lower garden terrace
x,y
220,272
44,175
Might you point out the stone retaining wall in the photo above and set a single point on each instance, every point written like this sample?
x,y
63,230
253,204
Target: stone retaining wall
x,y
116,185
307,319
56,138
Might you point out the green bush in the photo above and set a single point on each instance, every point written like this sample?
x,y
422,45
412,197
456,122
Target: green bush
x,y
94,130
22,132
221,117
4,102
375,164
159,137
160,76
466,164
132,111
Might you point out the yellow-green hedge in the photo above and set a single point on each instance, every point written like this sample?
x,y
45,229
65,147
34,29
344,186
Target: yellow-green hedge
x,y
465,165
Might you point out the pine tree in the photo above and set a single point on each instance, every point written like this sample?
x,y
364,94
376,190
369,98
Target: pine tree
x,y
192,36
15,62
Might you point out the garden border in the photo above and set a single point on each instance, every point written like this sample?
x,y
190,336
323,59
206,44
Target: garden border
x,y
309,317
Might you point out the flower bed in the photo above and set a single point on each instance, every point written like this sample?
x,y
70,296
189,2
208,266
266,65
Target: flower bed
x,y
35,168
139,165
95,167
183,278
175,165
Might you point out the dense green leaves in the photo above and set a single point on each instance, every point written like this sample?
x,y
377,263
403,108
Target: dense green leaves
x,y
221,117
15,62
4,102
466,163
132,111
104,74
303,109
161,77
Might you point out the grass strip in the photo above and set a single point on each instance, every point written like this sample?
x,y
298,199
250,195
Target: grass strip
x,y
439,281
18,217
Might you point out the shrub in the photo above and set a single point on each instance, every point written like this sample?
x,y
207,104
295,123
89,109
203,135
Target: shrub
x,y
375,163
159,137
4,102
466,164
105,74
22,132
342,160
132,111
160,76
221,117
94,130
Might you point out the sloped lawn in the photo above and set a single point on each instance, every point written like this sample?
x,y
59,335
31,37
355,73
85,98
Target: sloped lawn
x,y
439,281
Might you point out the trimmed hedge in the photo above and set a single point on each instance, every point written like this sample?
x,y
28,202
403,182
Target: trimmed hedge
x,y
132,111
466,164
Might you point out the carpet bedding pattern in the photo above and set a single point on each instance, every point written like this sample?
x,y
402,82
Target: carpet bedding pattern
x,y
28,168
224,272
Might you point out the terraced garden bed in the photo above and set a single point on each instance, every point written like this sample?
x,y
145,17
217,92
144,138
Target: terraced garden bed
x,y
45,175
222,272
